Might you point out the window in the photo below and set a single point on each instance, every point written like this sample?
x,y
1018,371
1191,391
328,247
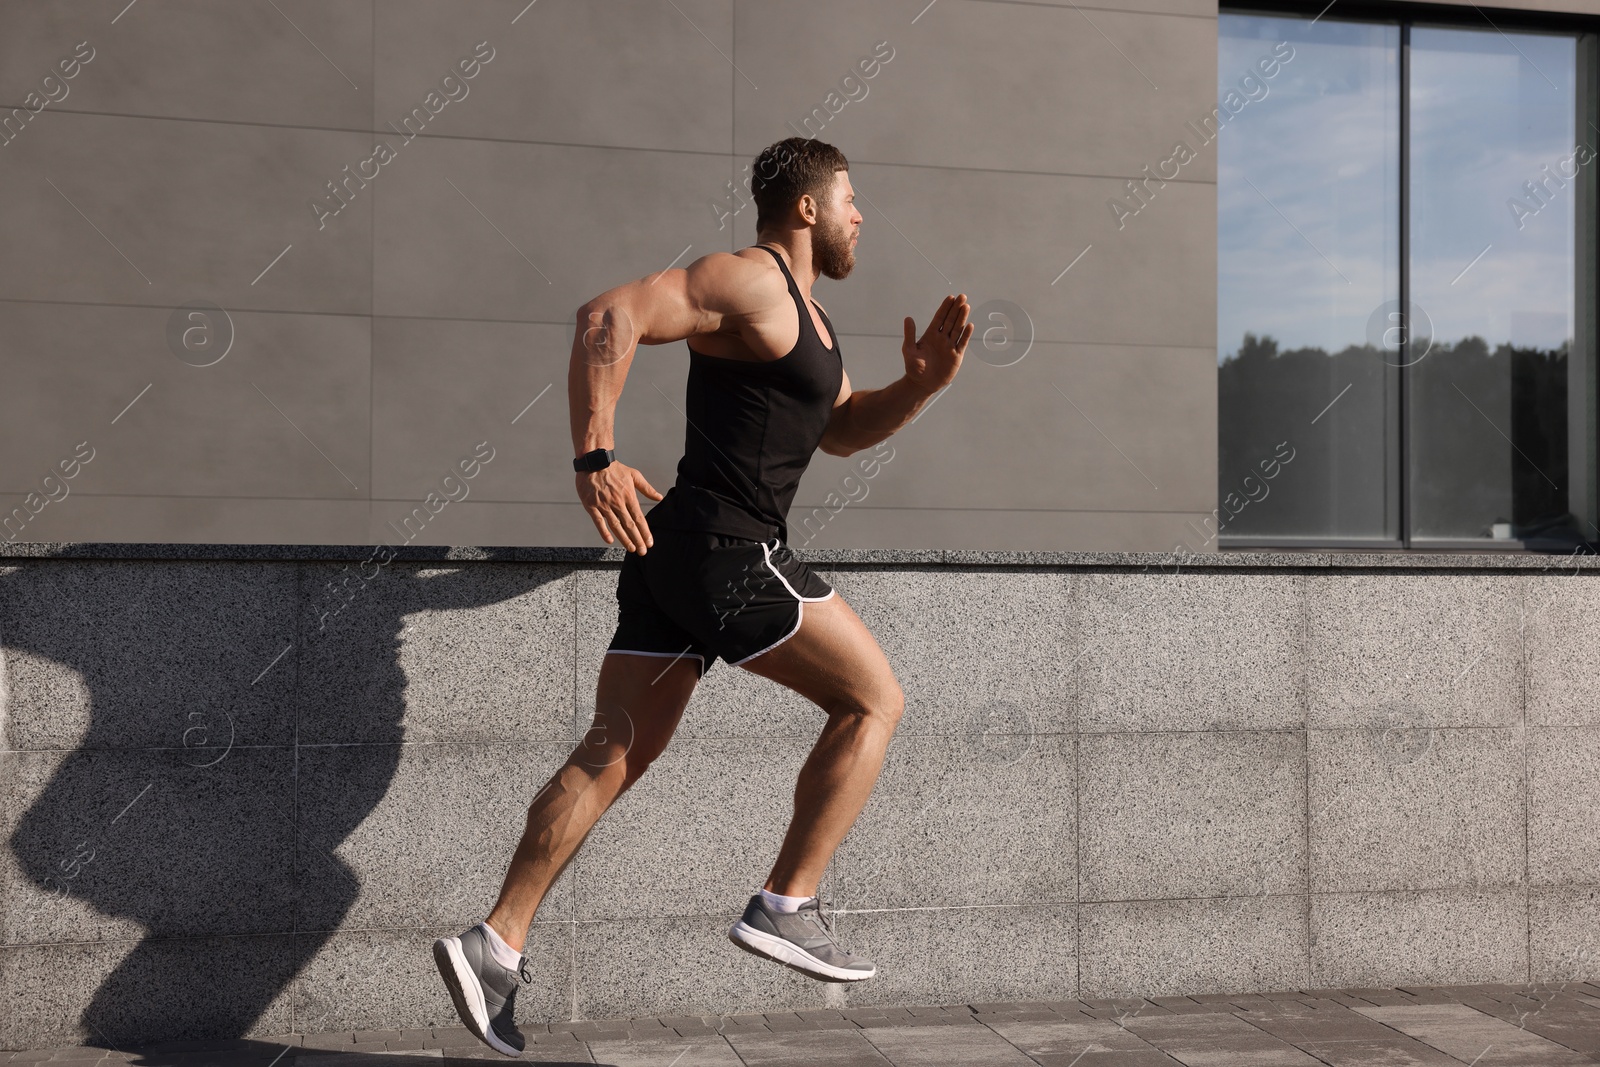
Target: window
x,y
1405,283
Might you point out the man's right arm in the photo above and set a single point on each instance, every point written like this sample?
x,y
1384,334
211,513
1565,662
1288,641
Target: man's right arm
x,y
704,297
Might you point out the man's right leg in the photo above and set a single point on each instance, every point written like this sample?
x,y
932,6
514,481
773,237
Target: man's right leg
x,y
833,660
637,707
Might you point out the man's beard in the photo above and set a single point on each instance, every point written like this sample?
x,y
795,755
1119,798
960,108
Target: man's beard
x,y
831,251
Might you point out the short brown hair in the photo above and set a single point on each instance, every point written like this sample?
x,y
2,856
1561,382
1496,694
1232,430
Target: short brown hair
x,y
790,169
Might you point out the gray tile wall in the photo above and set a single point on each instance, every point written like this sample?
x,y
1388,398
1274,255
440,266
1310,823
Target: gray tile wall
x,y
371,351
1109,781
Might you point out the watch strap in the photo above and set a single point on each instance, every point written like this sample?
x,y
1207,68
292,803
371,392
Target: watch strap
x,y
598,459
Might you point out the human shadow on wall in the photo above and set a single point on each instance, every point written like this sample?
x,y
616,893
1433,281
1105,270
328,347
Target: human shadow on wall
x,y
173,816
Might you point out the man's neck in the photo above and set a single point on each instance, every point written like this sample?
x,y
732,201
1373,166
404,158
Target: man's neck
x,y
799,260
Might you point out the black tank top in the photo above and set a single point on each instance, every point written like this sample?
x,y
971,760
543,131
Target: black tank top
x,y
752,430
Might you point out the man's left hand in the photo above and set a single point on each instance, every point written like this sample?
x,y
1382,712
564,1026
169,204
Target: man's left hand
x,y
933,359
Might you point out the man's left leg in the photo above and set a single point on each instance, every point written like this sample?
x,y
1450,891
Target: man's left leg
x,y
637,707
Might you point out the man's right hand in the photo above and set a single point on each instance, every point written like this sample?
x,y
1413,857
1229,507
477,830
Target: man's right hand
x,y
611,497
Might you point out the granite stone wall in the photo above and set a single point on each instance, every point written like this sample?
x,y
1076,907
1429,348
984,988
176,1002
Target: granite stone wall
x,y
1115,775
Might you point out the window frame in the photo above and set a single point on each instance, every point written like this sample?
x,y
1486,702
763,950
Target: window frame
x,y
1586,252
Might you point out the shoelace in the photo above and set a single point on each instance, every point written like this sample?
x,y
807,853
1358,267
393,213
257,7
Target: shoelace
x,y
814,915
525,971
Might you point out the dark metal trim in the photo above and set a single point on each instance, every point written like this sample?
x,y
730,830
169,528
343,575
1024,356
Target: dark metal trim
x,y
1403,444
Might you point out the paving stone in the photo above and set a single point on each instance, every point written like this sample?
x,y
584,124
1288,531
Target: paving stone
x,y
931,1046
587,1027
549,1037
821,1049
1251,1003
647,1027
1182,1007
1221,1041
1540,1024
1386,1052
1427,996
1473,1037
1148,1058
1298,1028
329,1041
1069,1037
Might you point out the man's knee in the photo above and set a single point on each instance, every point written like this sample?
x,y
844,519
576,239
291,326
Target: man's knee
x,y
893,703
881,704
624,758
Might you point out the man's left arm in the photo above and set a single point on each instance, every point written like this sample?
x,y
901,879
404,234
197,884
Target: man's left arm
x,y
862,419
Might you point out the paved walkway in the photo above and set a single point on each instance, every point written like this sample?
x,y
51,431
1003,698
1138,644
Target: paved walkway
x,y
1416,1026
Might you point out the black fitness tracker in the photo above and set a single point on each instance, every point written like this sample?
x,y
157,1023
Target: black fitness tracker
x,y
598,460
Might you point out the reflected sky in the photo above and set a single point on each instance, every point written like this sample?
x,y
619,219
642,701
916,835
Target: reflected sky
x,y
1487,113
1308,183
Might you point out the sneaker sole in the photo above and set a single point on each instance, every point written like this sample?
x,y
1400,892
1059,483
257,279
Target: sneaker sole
x,y
466,993
791,955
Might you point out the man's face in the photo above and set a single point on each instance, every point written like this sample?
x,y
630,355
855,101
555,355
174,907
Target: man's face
x,y
833,240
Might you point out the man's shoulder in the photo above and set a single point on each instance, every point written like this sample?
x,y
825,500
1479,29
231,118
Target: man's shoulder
x,y
737,282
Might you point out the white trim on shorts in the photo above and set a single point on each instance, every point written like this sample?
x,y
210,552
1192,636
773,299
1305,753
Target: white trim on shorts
x,y
665,655
800,607
778,575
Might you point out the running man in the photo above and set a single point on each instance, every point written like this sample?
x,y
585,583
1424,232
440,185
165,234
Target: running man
x,y
708,575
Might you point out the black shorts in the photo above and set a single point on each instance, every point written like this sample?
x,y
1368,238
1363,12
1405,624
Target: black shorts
x,y
709,596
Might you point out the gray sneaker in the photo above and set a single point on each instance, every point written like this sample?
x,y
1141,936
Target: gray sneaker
x,y
800,940
485,993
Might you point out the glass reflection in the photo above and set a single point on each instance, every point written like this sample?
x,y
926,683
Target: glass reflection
x,y
1494,169
1307,265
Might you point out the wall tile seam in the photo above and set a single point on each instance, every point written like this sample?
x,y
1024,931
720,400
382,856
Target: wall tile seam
x,y
301,597
1295,895
1538,883
1487,888
326,934
1208,563
691,738
1544,887
437,137
562,323
1075,599
1505,727
1107,10
1162,730
734,909
1524,587
253,935
1303,818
